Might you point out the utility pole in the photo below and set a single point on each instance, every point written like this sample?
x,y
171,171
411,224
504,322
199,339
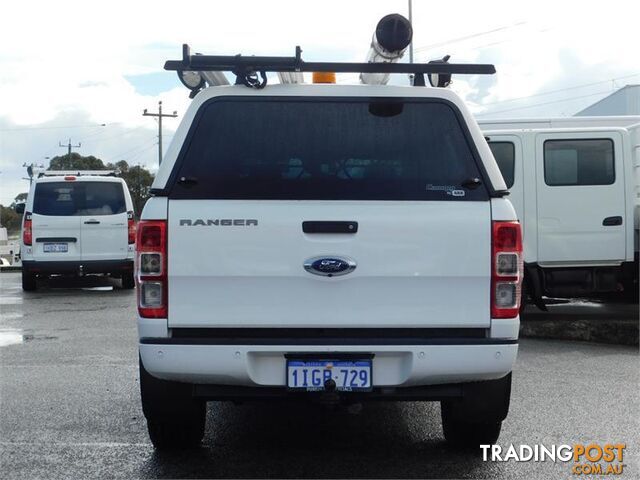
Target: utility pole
x,y
159,115
411,22
31,171
69,147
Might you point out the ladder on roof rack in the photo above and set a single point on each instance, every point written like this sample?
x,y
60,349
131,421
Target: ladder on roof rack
x,y
245,67
77,173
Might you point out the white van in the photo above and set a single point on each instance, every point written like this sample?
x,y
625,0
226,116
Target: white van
x,y
574,185
78,223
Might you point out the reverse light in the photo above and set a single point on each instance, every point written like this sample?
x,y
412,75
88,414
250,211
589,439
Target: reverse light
x,y
27,233
151,263
506,270
151,266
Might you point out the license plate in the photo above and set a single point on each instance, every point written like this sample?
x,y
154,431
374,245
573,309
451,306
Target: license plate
x,y
56,247
311,375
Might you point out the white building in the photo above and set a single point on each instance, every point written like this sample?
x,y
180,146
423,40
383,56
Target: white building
x,y
625,101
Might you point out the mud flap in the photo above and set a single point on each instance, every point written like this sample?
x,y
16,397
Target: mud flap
x,y
533,286
482,402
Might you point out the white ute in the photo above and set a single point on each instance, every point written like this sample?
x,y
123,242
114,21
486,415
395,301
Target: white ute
x,y
327,242
77,223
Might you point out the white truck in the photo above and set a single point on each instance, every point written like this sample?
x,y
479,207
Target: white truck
x,y
338,243
574,183
77,223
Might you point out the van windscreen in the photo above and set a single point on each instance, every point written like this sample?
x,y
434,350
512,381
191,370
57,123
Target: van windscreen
x,y
79,198
328,149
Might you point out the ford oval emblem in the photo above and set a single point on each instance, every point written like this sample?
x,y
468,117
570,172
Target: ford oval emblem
x,y
330,266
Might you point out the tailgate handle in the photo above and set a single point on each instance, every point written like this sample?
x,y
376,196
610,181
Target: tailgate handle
x,y
57,239
612,221
91,222
329,227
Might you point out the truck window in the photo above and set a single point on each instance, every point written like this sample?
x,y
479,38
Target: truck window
x,y
579,162
78,198
505,155
326,149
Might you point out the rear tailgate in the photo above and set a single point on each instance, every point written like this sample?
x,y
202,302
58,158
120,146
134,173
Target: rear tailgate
x,y
419,264
56,238
395,166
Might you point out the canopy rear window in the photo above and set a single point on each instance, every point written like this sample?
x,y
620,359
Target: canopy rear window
x,y
335,149
79,198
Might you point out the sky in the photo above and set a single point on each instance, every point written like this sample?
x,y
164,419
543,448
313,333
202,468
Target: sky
x,y
84,71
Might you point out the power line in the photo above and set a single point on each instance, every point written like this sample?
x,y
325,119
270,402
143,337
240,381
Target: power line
x,y
50,128
542,104
131,159
468,37
561,90
120,155
119,135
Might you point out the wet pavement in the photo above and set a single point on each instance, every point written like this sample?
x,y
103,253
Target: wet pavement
x,y
69,407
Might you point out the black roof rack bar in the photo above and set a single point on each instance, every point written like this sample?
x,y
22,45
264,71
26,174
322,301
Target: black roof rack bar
x,y
235,63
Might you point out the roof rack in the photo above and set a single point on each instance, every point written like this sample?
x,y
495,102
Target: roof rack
x,y
77,173
245,67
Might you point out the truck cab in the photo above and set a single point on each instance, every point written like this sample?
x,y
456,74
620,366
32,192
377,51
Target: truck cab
x,y
574,185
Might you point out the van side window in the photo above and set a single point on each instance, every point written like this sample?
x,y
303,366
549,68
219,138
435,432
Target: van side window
x,y
579,162
505,155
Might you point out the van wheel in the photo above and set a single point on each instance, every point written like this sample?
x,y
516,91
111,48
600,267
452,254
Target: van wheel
x,y
128,282
175,420
28,281
464,434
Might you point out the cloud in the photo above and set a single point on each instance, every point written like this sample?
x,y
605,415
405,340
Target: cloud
x,y
78,63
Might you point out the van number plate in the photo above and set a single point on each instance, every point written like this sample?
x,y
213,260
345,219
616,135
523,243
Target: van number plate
x,y
56,247
312,375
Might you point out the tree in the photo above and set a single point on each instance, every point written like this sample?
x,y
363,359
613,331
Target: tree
x,y
10,219
20,198
75,161
138,178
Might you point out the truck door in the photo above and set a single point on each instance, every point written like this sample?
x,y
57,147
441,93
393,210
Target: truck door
x,y
580,198
507,150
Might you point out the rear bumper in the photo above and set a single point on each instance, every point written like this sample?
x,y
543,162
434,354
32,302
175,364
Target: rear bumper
x,y
222,368
75,267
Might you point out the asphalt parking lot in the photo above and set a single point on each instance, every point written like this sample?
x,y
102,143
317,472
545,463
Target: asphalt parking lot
x,y
69,407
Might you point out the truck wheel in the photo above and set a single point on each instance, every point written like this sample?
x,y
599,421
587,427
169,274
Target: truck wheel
x,y
468,434
476,418
28,281
128,282
175,420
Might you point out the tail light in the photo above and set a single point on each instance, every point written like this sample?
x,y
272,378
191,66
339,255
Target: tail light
x,y
131,227
506,269
27,233
151,267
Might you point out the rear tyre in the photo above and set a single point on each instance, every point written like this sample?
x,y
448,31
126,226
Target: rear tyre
x,y
175,420
476,418
463,434
175,435
28,281
128,281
